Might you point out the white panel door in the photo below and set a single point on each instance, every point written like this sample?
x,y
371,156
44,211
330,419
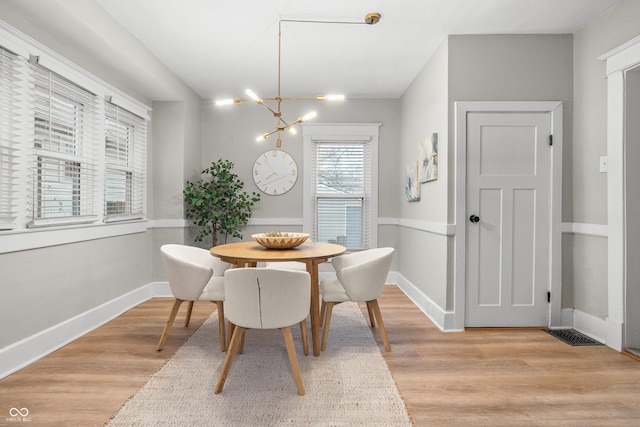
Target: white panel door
x,y
508,219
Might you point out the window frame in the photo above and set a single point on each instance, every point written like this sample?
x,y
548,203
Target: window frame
x,y
17,234
366,133
10,69
133,168
62,133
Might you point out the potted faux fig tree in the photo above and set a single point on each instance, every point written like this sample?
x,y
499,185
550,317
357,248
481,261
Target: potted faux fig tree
x,y
217,204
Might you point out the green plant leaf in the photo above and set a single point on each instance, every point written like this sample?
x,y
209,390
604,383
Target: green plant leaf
x,y
216,203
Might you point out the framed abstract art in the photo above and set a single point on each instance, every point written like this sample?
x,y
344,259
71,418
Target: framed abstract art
x,y
411,185
428,159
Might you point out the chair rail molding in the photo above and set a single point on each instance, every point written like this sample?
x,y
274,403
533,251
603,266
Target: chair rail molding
x,y
594,230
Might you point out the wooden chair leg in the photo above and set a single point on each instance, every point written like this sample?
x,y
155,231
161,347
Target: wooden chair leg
x,y
372,320
241,345
230,327
223,339
230,332
293,359
304,336
383,331
323,309
187,319
327,323
167,327
237,336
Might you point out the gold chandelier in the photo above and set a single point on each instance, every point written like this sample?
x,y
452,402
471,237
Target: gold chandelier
x,y
281,123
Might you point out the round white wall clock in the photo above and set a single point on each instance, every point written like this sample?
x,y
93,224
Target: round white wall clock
x,y
275,172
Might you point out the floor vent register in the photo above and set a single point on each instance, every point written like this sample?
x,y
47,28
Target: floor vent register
x,y
572,337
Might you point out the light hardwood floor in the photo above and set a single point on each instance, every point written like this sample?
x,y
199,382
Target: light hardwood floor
x,y
478,377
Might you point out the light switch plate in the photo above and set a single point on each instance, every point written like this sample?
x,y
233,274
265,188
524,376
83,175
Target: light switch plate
x,y
604,166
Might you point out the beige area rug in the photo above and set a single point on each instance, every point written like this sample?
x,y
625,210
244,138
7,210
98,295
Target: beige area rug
x,y
349,384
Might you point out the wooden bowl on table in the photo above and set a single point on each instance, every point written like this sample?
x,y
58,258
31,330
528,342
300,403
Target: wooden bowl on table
x,y
280,240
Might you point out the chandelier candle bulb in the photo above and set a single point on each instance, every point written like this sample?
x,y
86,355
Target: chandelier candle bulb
x,y
228,101
308,116
336,97
253,96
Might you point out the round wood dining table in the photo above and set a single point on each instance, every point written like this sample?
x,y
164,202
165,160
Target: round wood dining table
x,y
312,254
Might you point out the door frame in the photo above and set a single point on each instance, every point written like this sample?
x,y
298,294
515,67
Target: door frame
x,y
462,108
618,61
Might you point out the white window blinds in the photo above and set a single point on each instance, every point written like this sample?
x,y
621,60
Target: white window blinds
x,y
125,151
10,70
62,173
67,157
341,193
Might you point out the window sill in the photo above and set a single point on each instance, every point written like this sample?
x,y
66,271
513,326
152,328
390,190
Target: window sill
x,y
25,239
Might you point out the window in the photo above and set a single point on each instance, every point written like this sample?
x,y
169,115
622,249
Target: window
x,y
340,201
9,70
125,148
67,157
63,165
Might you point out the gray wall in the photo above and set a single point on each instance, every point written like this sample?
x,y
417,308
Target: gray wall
x,y
230,133
43,287
469,68
519,68
174,158
422,255
616,27
516,68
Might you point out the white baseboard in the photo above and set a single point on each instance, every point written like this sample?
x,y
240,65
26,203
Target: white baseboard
x,y
566,319
604,331
592,326
160,290
22,353
587,324
614,331
441,318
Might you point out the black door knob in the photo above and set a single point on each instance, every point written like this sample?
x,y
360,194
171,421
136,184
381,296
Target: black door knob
x,y
474,218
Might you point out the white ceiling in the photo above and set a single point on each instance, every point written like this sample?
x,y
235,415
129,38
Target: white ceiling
x,y
220,48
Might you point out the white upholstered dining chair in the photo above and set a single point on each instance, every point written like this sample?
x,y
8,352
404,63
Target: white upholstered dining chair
x,y
286,265
360,277
194,274
260,298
